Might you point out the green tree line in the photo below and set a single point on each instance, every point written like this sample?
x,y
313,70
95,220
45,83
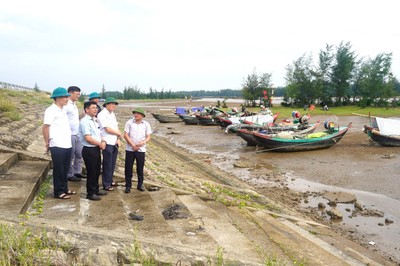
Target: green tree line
x,y
135,92
340,77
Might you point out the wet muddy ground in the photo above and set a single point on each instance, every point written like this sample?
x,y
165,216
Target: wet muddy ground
x,y
354,165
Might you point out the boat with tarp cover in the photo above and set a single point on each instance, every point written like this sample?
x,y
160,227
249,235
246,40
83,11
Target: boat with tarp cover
x,y
384,131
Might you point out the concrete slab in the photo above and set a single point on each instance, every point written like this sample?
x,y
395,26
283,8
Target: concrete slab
x,y
6,161
234,243
296,245
154,224
188,231
19,185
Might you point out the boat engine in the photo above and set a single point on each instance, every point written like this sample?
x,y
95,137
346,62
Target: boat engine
x,y
329,125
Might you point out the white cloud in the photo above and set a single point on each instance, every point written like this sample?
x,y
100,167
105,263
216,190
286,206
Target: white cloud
x,y
180,44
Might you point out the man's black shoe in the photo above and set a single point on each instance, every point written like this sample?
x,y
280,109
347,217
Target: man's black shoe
x,y
101,193
127,190
93,197
141,188
74,179
80,176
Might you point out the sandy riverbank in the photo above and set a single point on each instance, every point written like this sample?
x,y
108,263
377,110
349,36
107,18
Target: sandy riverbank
x,y
298,180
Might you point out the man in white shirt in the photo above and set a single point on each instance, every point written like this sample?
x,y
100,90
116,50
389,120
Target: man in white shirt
x,y
137,134
57,138
111,134
75,171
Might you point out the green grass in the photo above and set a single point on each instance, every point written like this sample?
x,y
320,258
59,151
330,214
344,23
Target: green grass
x,y
5,104
286,112
37,206
10,101
19,245
7,107
231,198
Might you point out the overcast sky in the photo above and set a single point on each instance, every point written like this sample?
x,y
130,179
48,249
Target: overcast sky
x,y
181,44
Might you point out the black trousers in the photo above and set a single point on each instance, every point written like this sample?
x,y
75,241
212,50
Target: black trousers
x,y
61,162
92,158
130,157
109,161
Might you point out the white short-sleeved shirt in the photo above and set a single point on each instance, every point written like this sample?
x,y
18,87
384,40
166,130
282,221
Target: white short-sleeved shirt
x,y
107,119
59,131
73,116
137,133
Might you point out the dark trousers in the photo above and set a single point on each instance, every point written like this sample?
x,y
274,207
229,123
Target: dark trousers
x,y
130,157
61,162
109,160
92,159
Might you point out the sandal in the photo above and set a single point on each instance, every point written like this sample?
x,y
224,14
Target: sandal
x,y
70,192
109,188
114,184
62,196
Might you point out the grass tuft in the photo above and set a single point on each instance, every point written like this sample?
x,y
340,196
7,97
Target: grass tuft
x,y
19,245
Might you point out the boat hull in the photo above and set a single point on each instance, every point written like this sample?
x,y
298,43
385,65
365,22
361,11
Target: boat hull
x,y
293,145
248,136
248,133
189,120
206,120
383,140
167,118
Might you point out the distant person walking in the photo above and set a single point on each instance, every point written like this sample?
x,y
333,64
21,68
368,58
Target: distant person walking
x,y
136,133
75,171
95,97
92,145
57,138
111,134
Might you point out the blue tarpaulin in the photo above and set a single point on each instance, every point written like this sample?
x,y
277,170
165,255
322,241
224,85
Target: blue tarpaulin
x,y
184,110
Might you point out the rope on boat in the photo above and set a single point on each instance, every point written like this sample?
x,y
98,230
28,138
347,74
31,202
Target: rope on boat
x,y
282,147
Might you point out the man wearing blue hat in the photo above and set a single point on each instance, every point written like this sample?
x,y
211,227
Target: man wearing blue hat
x,y
136,133
111,134
95,97
57,138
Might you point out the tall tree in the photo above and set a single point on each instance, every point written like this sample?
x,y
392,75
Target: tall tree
x,y
253,87
323,75
342,70
377,81
300,79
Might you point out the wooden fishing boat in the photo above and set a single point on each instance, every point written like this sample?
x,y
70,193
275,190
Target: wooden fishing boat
x,y
247,131
189,119
247,135
313,141
166,118
384,131
206,120
261,119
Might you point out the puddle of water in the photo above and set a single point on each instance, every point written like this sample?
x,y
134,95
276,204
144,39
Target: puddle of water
x,y
371,229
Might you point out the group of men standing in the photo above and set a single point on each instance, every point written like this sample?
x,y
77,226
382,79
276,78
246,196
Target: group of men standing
x,y
71,137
